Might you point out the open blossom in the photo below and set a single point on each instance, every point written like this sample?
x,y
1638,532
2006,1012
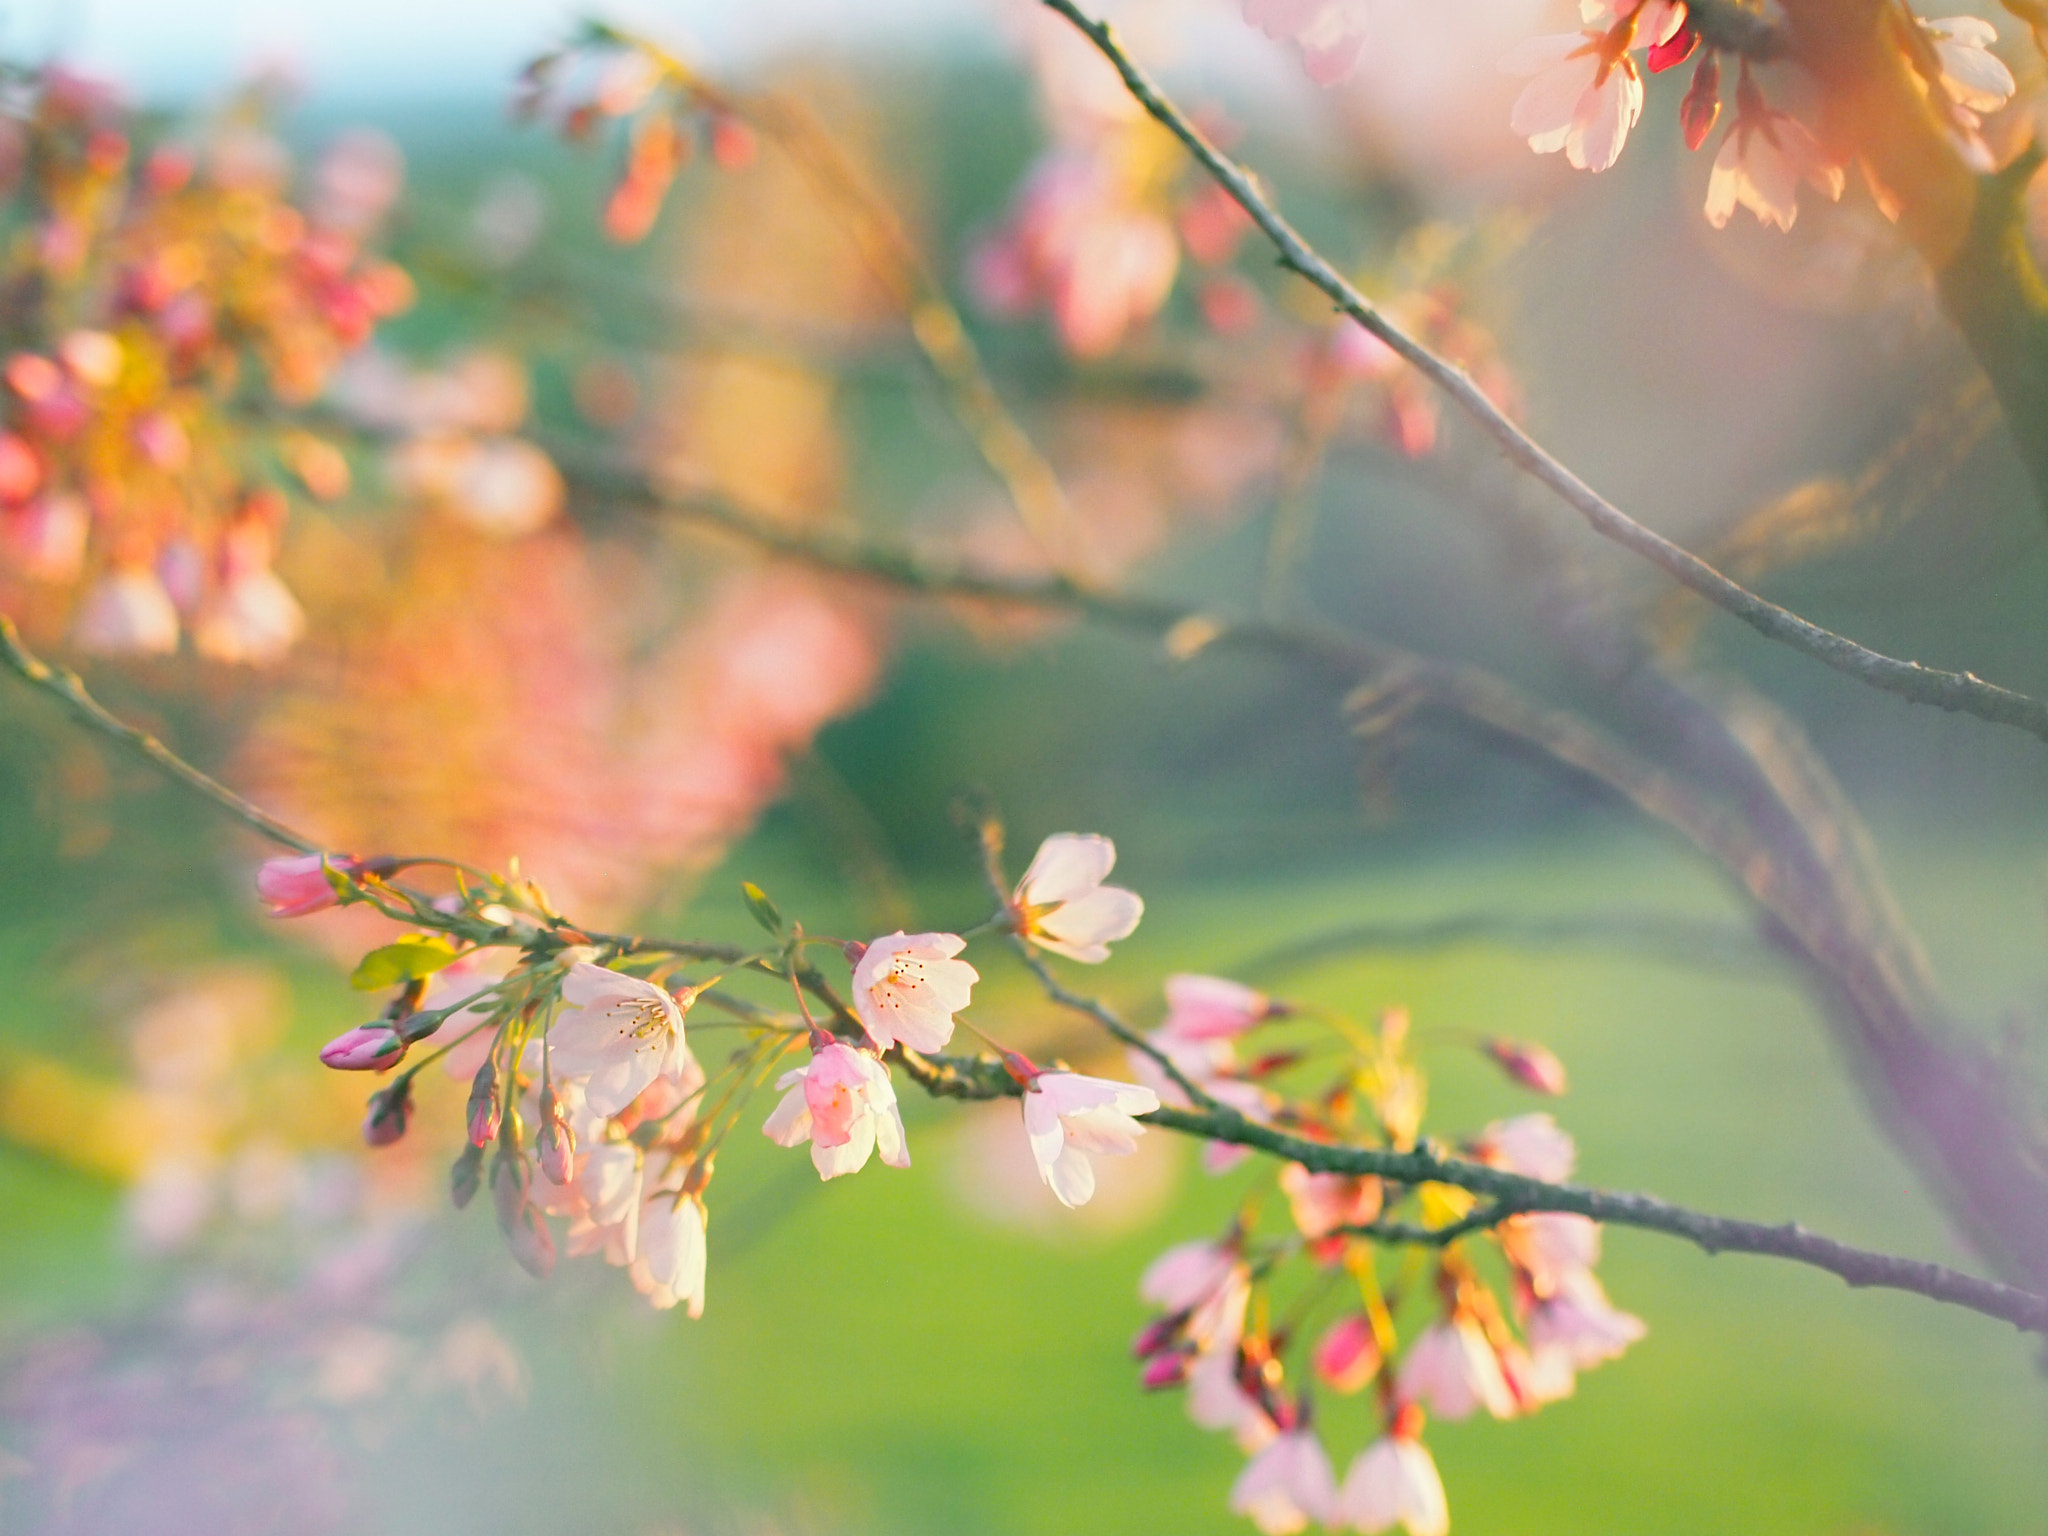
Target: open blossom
x,y
1761,162
843,1104
253,620
1324,1202
1328,32
1547,1246
1451,1369
1577,1322
298,885
1584,98
1531,1145
1287,1485
1975,78
128,613
1068,1117
1062,904
908,986
618,1032
1217,1400
1393,1482
1211,1007
669,1267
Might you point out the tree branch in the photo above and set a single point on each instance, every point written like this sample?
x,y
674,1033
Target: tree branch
x,y
1958,691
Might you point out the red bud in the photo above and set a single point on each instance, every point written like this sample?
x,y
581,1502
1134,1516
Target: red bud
x,y
1701,108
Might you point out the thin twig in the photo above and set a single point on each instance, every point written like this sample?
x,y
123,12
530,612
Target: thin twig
x,y
1959,691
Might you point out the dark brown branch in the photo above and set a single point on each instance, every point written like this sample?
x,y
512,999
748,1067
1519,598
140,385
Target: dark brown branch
x,y
1958,691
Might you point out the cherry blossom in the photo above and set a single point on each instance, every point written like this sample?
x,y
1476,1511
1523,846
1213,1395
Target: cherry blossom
x,y
1531,1065
843,1104
127,613
1217,1400
1211,1007
1531,1145
253,620
1761,162
1547,1246
669,1266
1068,1116
1062,905
1203,1288
1328,32
1287,1485
1394,1481
1579,1323
618,1032
908,986
1975,78
1451,1369
1585,96
368,1048
1324,1202
1347,1356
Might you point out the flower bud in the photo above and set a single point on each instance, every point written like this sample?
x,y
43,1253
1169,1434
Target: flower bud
x,y
510,1180
1158,1335
1167,1370
466,1176
366,1048
390,1113
1529,1064
532,1244
557,1140
1675,49
485,1105
1348,1355
293,887
1701,108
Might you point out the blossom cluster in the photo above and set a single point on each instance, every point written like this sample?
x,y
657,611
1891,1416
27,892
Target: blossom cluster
x,y
596,1128
1586,91
167,287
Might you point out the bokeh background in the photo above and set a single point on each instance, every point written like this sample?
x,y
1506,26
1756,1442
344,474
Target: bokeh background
x,y
221,1315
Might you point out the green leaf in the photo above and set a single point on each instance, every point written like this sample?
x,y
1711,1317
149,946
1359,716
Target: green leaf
x,y
415,955
764,910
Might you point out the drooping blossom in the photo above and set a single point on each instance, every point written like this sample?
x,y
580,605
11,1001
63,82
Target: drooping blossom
x,y
127,613
1761,162
1394,1481
1577,1322
1329,33
1211,1007
1217,1400
844,1105
669,1267
1062,905
252,620
1531,1145
1287,1485
1322,1203
295,886
617,1032
908,986
1585,95
1202,1288
1451,1369
1974,77
1547,1246
1068,1117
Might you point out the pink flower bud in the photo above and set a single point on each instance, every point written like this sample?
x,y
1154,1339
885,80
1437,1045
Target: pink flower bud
x,y
366,1048
1167,1370
485,1105
1348,1355
293,887
557,1141
1701,108
1528,1064
466,1176
390,1113
1158,1335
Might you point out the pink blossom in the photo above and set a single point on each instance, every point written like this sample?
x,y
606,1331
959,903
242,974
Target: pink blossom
x,y
844,1105
1211,1008
607,1202
253,620
1217,1400
1761,163
1062,904
907,987
1068,1116
1287,1485
1547,1246
127,613
1451,1369
1578,1322
1531,1145
298,885
1348,1354
1204,1285
1328,32
618,1032
1974,77
47,538
669,1267
1394,1481
1584,98
367,1048
1324,1202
